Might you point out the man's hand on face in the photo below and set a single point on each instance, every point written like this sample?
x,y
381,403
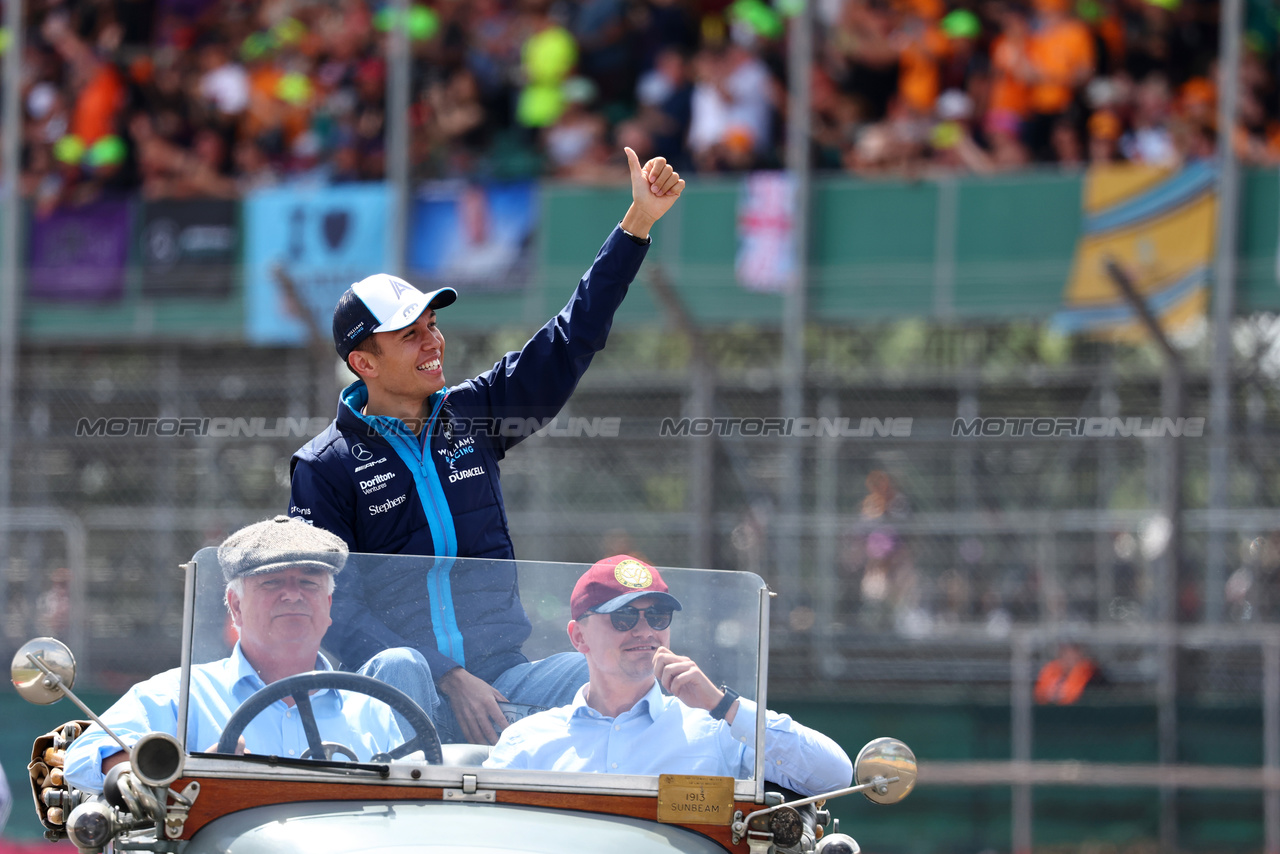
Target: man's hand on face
x,y
654,189
475,705
682,678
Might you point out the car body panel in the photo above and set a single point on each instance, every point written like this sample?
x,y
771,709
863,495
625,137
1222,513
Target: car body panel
x,y
348,827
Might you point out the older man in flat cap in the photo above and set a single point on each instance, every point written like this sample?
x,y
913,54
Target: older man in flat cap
x,y
280,579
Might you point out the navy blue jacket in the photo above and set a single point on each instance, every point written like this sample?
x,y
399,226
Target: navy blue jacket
x,y
386,489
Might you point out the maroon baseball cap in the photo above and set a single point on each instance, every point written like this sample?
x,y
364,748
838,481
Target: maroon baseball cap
x,y
613,582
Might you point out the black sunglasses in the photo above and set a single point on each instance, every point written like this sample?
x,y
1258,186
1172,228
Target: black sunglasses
x,y
625,618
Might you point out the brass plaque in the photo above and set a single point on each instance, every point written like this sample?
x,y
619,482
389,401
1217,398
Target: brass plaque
x,y
687,799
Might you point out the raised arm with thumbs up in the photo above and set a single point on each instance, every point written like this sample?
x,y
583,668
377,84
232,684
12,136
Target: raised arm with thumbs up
x,y
466,618
654,189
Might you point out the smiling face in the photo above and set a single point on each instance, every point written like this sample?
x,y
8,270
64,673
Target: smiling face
x,y
406,365
619,657
282,614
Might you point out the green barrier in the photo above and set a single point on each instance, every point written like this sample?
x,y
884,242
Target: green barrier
x,y
978,818
984,249
1257,286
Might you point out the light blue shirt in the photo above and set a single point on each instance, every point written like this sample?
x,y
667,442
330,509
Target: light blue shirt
x,y
6,799
661,735
217,690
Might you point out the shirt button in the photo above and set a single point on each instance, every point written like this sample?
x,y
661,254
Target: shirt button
x,y
290,752
615,765
288,714
616,727
779,761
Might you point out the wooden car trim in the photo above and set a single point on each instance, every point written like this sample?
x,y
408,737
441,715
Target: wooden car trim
x,y
221,796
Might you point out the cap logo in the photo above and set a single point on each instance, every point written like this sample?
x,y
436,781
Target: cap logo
x,y
409,309
633,574
355,330
398,287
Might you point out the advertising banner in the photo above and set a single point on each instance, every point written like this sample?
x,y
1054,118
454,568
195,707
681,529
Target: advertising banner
x,y
302,248
477,236
1159,226
79,254
188,248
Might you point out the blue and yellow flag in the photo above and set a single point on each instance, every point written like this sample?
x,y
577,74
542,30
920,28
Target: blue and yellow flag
x,y
1159,226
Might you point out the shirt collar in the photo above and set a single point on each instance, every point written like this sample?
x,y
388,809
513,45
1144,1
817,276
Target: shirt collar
x,y
652,704
248,681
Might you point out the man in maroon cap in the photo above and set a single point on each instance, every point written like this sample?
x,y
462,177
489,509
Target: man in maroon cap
x,y
650,711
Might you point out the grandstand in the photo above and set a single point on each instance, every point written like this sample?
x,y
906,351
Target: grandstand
x,y
195,181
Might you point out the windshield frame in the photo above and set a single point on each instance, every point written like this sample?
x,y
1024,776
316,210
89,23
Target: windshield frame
x,y
449,776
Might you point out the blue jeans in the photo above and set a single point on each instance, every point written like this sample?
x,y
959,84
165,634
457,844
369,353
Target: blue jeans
x,y
548,683
405,668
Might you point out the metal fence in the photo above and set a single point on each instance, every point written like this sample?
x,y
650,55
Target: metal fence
x,y
905,523
1184,713
927,567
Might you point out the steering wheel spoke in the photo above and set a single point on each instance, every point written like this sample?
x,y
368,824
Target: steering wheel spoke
x,y
408,747
330,749
315,744
300,687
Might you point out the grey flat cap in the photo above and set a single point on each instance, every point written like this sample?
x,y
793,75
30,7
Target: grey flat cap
x,y
277,544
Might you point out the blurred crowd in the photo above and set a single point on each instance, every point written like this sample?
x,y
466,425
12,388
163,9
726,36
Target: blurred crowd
x,y
212,98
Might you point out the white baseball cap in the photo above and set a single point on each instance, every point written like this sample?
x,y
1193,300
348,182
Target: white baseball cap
x,y
381,303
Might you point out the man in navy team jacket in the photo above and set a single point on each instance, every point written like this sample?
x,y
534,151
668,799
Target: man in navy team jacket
x,y
410,466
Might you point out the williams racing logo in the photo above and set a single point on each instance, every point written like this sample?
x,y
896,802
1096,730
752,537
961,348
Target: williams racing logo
x,y
464,446
633,574
461,450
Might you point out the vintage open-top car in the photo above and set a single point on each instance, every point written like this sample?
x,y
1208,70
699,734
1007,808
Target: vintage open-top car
x,y
195,798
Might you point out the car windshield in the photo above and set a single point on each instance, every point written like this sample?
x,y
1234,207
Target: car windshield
x,y
719,627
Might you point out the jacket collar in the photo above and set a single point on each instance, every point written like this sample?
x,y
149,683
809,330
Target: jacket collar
x,y
355,397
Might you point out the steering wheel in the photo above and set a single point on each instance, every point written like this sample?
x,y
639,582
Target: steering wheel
x,y
300,687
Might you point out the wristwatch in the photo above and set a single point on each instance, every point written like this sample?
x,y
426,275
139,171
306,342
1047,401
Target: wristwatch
x,y
726,703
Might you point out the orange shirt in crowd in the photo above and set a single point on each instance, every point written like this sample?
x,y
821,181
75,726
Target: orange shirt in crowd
x,y
1062,55
918,68
267,111
1062,682
1009,93
102,97
264,112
